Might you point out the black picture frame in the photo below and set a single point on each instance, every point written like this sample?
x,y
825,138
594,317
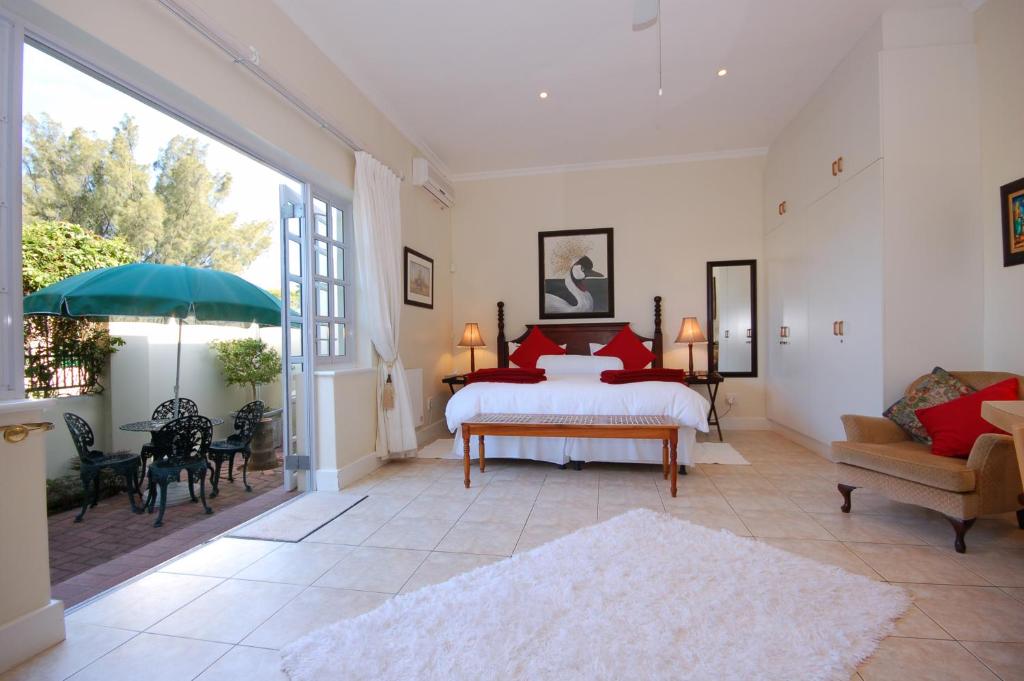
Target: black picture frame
x,y
1011,196
603,293
712,312
425,261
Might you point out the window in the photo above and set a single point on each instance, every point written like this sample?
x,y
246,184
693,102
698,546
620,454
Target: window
x,y
332,309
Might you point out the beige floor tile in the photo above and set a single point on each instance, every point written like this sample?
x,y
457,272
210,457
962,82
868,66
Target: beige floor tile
x,y
607,511
400,487
1005,659
972,613
817,501
299,564
714,520
828,552
556,514
85,643
440,567
537,535
906,659
346,530
228,612
925,564
379,506
702,501
154,658
373,569
435,507
144,602
470,536
499,511
783,525
916,624
1015,592
760,502
872,529
1002,567
410,533
222,557
314,608
246,664
512,489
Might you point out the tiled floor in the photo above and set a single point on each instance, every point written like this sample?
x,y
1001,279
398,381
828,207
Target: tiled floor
x,y
219,612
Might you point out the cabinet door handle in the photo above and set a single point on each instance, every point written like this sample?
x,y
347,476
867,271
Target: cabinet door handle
x,y
839,164
835,328
842,332
835,165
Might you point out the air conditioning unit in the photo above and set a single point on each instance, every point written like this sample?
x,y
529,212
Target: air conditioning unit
x,y
430,178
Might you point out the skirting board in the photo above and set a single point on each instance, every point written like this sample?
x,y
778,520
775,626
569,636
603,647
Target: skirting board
x,y
31,634
803,440
334,479
431,432
745,423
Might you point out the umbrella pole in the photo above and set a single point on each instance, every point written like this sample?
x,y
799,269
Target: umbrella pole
x,y
177,374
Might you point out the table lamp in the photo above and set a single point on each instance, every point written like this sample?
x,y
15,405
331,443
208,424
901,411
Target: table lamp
x,y
472,339
690,333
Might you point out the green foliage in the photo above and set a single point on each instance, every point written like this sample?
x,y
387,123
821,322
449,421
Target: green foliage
x,y
65,493
53,251
99,184
248,361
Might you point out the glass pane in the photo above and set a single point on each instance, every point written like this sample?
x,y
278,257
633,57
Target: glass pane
x,y
297,410
322,300
295,340
339,300
294,259
320,223
295,298
338,262
320,257
323,340
319,207
339,340
294,223
337,224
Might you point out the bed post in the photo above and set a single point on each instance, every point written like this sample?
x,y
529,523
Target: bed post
x,y
657,349
502,345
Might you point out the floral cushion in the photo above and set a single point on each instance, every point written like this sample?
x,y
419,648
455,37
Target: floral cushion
x,y
938,387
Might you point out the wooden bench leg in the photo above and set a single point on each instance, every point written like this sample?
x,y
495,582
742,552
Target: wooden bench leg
x,y
483,465
465,455
664,459
674,463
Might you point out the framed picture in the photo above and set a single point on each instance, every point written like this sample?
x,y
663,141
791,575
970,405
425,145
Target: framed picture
x,y
576,274
419,279
1012,196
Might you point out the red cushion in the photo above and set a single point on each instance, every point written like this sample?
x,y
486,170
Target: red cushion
x,y
629,348
535,345
954,426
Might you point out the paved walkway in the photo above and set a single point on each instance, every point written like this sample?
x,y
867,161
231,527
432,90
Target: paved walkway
x,y
112,544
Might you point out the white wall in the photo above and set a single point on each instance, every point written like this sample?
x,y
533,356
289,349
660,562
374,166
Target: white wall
x,y
669,220
1000,47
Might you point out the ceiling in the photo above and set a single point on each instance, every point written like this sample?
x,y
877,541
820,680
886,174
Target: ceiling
x,y
462,77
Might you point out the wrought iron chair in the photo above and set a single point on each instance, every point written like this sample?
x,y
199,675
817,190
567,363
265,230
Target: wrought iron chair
x,y
165,411
246,420
93,462
181,445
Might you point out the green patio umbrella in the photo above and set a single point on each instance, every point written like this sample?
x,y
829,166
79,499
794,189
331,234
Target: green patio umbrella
x,y
149,290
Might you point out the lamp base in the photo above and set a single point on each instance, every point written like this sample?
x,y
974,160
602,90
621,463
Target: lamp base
x,y
472,360
691,358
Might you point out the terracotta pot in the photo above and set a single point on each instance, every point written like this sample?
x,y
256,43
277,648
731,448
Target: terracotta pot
x,y
266,442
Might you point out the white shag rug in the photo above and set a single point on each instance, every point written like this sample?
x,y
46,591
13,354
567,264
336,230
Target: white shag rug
x,y
705,452
641,596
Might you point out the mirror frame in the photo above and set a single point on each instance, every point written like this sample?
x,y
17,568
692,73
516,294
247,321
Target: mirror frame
x,y
753,316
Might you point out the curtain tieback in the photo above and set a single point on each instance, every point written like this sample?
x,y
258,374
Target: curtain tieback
x,y
387,398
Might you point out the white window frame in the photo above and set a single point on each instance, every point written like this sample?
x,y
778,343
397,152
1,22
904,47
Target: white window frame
x,y
347,283
12,360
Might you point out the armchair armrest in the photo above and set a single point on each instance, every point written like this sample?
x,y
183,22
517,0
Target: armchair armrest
x,y
872,429
994,460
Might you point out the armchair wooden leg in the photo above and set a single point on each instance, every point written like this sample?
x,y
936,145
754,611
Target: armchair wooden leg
x,y
1020,518
845,491
960,527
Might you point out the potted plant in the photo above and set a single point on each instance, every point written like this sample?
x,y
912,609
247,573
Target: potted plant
x,y
251,362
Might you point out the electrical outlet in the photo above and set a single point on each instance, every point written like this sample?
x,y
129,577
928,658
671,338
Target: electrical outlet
x,y
730,399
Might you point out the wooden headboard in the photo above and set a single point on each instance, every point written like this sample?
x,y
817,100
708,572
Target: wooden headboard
x,y
577,337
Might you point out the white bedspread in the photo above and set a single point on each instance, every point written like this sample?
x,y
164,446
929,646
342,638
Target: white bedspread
x,y
580,395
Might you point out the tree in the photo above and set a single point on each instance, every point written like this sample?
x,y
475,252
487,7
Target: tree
x,y
56,347
248,361
78,178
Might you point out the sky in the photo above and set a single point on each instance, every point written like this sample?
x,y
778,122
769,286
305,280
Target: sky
x,y
77,100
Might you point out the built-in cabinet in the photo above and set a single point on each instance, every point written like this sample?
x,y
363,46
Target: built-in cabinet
x,y
830,248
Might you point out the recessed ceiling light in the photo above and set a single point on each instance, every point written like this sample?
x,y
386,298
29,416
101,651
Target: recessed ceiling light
x,y
722,72
543,95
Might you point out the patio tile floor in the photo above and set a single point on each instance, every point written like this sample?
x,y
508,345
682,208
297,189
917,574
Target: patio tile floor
x,y
112,544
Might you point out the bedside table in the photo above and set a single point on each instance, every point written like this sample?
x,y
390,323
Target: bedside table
x,y
712,381
454,380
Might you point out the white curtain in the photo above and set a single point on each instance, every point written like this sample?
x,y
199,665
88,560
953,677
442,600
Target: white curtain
x,y
378,232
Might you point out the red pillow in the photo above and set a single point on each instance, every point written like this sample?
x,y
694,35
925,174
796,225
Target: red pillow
x,y
954,426
630,349
535,345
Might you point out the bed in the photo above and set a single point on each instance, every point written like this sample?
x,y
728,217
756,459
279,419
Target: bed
x,y
580,394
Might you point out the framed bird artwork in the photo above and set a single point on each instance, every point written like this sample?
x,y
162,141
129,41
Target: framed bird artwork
x,y
576,274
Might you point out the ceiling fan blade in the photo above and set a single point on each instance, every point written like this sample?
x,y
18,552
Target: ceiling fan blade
x,y
645,13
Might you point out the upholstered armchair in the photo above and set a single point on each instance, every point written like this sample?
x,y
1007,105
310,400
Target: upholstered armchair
x,y
877,454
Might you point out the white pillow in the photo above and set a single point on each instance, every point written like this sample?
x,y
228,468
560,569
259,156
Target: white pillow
x,y
594,347
577,365
512,347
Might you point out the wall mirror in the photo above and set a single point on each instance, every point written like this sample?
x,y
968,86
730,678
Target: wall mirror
x,y
732,317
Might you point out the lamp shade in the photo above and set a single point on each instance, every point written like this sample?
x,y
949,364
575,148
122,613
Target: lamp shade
x,y
690,331
471,337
